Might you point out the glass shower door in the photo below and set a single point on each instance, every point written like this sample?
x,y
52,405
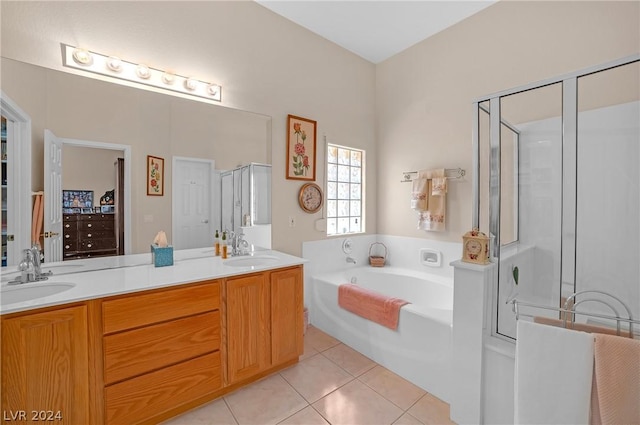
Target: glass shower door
x,y
608,187
522,167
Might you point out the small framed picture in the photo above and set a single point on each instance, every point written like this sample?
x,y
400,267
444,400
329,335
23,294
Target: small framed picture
x,y
87,210
75,210
155,176
67,211
301,148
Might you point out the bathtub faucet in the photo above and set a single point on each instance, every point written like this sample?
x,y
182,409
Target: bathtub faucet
x,y
351,260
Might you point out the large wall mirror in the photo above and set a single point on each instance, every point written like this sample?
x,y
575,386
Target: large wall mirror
x,y
88,111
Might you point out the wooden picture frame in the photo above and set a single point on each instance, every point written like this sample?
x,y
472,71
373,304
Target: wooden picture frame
x,y
155,176
301,148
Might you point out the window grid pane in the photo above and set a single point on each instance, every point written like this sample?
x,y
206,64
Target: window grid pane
x,y
345,183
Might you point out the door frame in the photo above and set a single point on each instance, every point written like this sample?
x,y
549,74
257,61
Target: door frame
x,y
126,149
19,193
174,186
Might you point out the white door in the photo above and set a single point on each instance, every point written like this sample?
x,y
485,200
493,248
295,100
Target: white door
x,y
192,203
53,197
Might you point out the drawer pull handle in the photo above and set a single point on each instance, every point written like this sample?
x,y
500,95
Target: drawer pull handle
x,y
67,236
89,235
66,247
88,245
89,225
67,225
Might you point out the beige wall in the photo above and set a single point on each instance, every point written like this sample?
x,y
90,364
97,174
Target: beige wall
x,y
424,95
265,63
98,175
410,112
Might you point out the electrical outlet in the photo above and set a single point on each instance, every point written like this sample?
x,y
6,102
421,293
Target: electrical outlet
x,y
292,221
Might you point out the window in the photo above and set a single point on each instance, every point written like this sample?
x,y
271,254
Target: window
x,y
345,189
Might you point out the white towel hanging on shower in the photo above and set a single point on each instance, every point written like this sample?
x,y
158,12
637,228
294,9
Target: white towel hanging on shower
x,y
554,369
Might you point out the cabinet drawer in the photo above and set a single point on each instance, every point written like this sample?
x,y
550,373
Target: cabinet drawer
x,y
98,244
139,351
96,217
95,225
96,234
138,399
73,218
69,226
140,310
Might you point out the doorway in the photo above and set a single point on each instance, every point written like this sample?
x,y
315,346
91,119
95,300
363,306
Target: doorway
x,y
16,181
54,250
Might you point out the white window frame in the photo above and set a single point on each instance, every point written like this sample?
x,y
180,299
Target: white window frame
x,y
361,216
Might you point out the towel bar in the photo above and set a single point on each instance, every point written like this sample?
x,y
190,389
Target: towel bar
x,y
569,309
450,173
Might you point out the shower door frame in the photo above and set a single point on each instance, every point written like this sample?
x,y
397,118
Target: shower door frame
x,y
569,168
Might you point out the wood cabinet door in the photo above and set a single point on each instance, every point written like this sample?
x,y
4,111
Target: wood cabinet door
x,y
45,367
248,341
286,315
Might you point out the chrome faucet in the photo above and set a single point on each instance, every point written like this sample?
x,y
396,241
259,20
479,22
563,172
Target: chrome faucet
x,y
239,246
30,267
351,260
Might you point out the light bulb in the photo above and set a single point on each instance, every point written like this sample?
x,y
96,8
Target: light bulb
x,y
213,89
190,84
82,57
168,78
114,63
143,71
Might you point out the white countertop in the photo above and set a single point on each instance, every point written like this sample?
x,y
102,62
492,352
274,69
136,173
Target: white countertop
x,y
108,276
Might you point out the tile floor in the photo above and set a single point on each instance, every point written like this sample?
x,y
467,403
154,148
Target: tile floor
x,y
332,384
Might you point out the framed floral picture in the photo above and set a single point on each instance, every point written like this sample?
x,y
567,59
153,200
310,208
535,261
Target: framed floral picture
x,y
301,148
155,176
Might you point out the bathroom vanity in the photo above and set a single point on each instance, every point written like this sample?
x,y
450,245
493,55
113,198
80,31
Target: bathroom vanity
x,y
141,344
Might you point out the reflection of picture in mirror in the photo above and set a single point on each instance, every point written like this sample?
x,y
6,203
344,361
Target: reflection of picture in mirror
x,y
77,198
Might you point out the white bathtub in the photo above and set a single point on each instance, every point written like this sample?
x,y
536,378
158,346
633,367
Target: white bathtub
x,y
420,349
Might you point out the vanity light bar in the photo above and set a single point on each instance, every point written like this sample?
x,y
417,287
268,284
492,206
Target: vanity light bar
x,y
112,66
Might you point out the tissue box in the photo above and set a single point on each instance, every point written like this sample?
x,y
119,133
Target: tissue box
x,y
162,256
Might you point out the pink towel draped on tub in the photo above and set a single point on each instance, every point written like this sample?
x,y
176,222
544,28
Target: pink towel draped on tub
x,y
371,305
615,396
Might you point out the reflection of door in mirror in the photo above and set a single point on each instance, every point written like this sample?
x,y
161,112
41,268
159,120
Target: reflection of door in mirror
x,y
80,176
5,164
16,181
192,203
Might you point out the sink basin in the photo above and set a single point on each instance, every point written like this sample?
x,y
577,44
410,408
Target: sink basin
x,y
252,261
30,291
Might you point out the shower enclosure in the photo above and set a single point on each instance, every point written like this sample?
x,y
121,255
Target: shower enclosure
x,y
557,188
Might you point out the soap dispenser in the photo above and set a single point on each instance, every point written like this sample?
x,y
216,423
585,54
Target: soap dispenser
x,y
224,245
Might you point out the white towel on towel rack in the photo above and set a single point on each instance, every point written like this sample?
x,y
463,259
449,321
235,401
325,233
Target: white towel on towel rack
x,y
554,369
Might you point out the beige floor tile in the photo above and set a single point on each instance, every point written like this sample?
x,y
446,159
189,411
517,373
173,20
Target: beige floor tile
x,y
307,416
431,411
214,413
392,387
407,419
316,377
319,340
357,404
309,351
349,359
265,402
